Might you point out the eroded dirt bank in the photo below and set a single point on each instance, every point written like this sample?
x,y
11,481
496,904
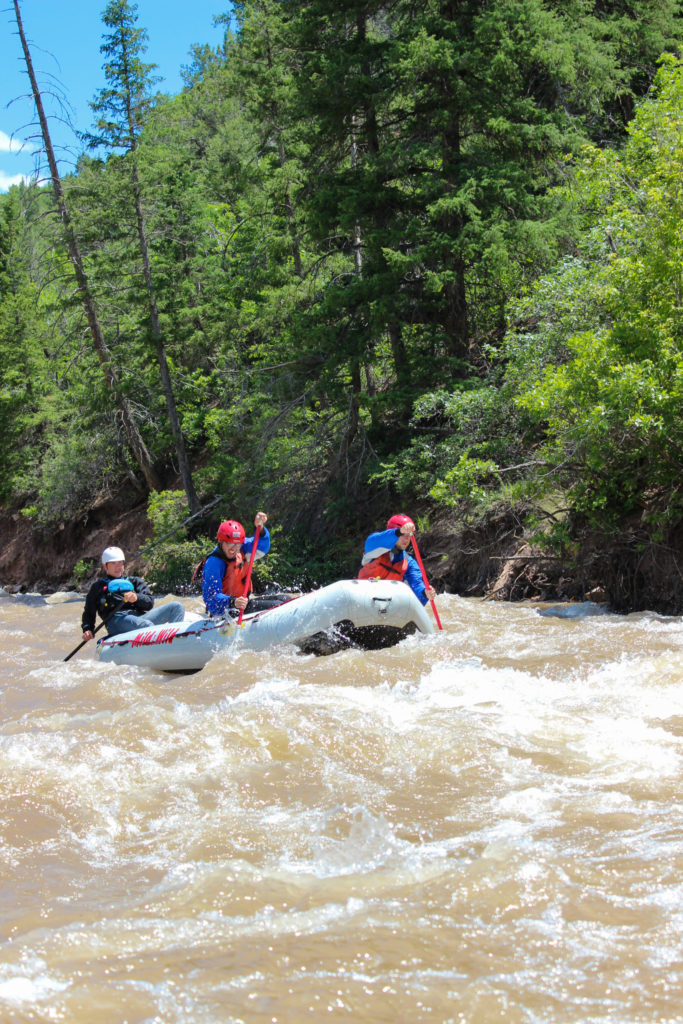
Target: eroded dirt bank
x,y
35,558
629,572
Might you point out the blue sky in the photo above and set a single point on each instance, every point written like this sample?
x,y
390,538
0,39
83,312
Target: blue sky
x,y
65,38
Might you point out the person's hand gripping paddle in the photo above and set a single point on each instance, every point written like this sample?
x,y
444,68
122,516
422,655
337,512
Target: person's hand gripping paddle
x,y
247,582
425,580
116,594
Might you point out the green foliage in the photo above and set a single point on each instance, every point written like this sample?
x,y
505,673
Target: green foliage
x,y
347,212
167,512
27,400
81,571
125,103
459,441
296,562
466,483
171,558
610,395
172,565
73,473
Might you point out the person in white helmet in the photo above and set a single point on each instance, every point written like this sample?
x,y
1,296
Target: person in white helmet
x,y
123,602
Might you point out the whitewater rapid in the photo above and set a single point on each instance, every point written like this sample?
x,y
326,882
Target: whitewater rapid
x,y
480,825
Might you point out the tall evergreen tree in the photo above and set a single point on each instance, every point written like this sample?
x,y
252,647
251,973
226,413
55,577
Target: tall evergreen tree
x,y
123,108
263,64
68,232
436,128
21,382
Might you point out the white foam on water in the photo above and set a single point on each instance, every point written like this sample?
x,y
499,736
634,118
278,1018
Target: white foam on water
x,y
64,597
454,799
28,982
65,627
151,934
370,842
268,690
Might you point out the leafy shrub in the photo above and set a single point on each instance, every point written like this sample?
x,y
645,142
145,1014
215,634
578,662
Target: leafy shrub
x,y
466,482
75,471
602,372
81,571
170,556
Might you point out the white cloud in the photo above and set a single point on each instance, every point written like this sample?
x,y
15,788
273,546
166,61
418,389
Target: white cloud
x,y
10,144
7,180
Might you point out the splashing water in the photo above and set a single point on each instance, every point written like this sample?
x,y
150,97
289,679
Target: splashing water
x,y
482,825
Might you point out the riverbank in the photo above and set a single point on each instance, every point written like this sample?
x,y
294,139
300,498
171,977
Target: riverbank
x,y
43,559
496,559
629,571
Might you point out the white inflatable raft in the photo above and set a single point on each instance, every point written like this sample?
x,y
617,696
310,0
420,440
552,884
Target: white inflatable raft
x,y
348,606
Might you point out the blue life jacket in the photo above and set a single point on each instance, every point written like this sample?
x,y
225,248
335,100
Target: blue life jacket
x,y
120,585
111,600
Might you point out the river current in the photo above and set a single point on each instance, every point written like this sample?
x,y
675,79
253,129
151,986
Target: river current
x,y
477,826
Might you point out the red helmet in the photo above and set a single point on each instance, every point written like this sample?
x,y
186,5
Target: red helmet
x,y
231,531
399,520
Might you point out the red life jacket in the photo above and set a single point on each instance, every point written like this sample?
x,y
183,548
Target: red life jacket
x,y
235,576
383,568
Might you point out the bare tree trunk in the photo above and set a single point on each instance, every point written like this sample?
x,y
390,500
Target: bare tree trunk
x,y
137,445
157,337
457,320
398,352
340,465
357,234
181,451
372,142
291,217
282,156
358,260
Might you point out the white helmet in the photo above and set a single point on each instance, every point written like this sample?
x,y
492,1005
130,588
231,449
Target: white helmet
x,y
112,555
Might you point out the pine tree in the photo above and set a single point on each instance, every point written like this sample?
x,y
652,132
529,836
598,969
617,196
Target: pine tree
x,y
123,109
85,291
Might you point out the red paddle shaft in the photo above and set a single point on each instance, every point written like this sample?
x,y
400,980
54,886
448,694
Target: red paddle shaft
x,y
245,592
425,581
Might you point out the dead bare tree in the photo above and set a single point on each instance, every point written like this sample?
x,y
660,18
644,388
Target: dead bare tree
x,y
137,445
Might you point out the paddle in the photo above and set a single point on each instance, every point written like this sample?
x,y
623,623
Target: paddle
x,y
425,580
104,622
245,592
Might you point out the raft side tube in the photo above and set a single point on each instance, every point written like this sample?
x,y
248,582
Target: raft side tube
x,y
190,644
361,602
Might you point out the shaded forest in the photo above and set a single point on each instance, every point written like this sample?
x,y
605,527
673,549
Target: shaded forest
x,y
423,254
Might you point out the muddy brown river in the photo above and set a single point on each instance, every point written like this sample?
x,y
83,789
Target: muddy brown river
x,y
484,825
